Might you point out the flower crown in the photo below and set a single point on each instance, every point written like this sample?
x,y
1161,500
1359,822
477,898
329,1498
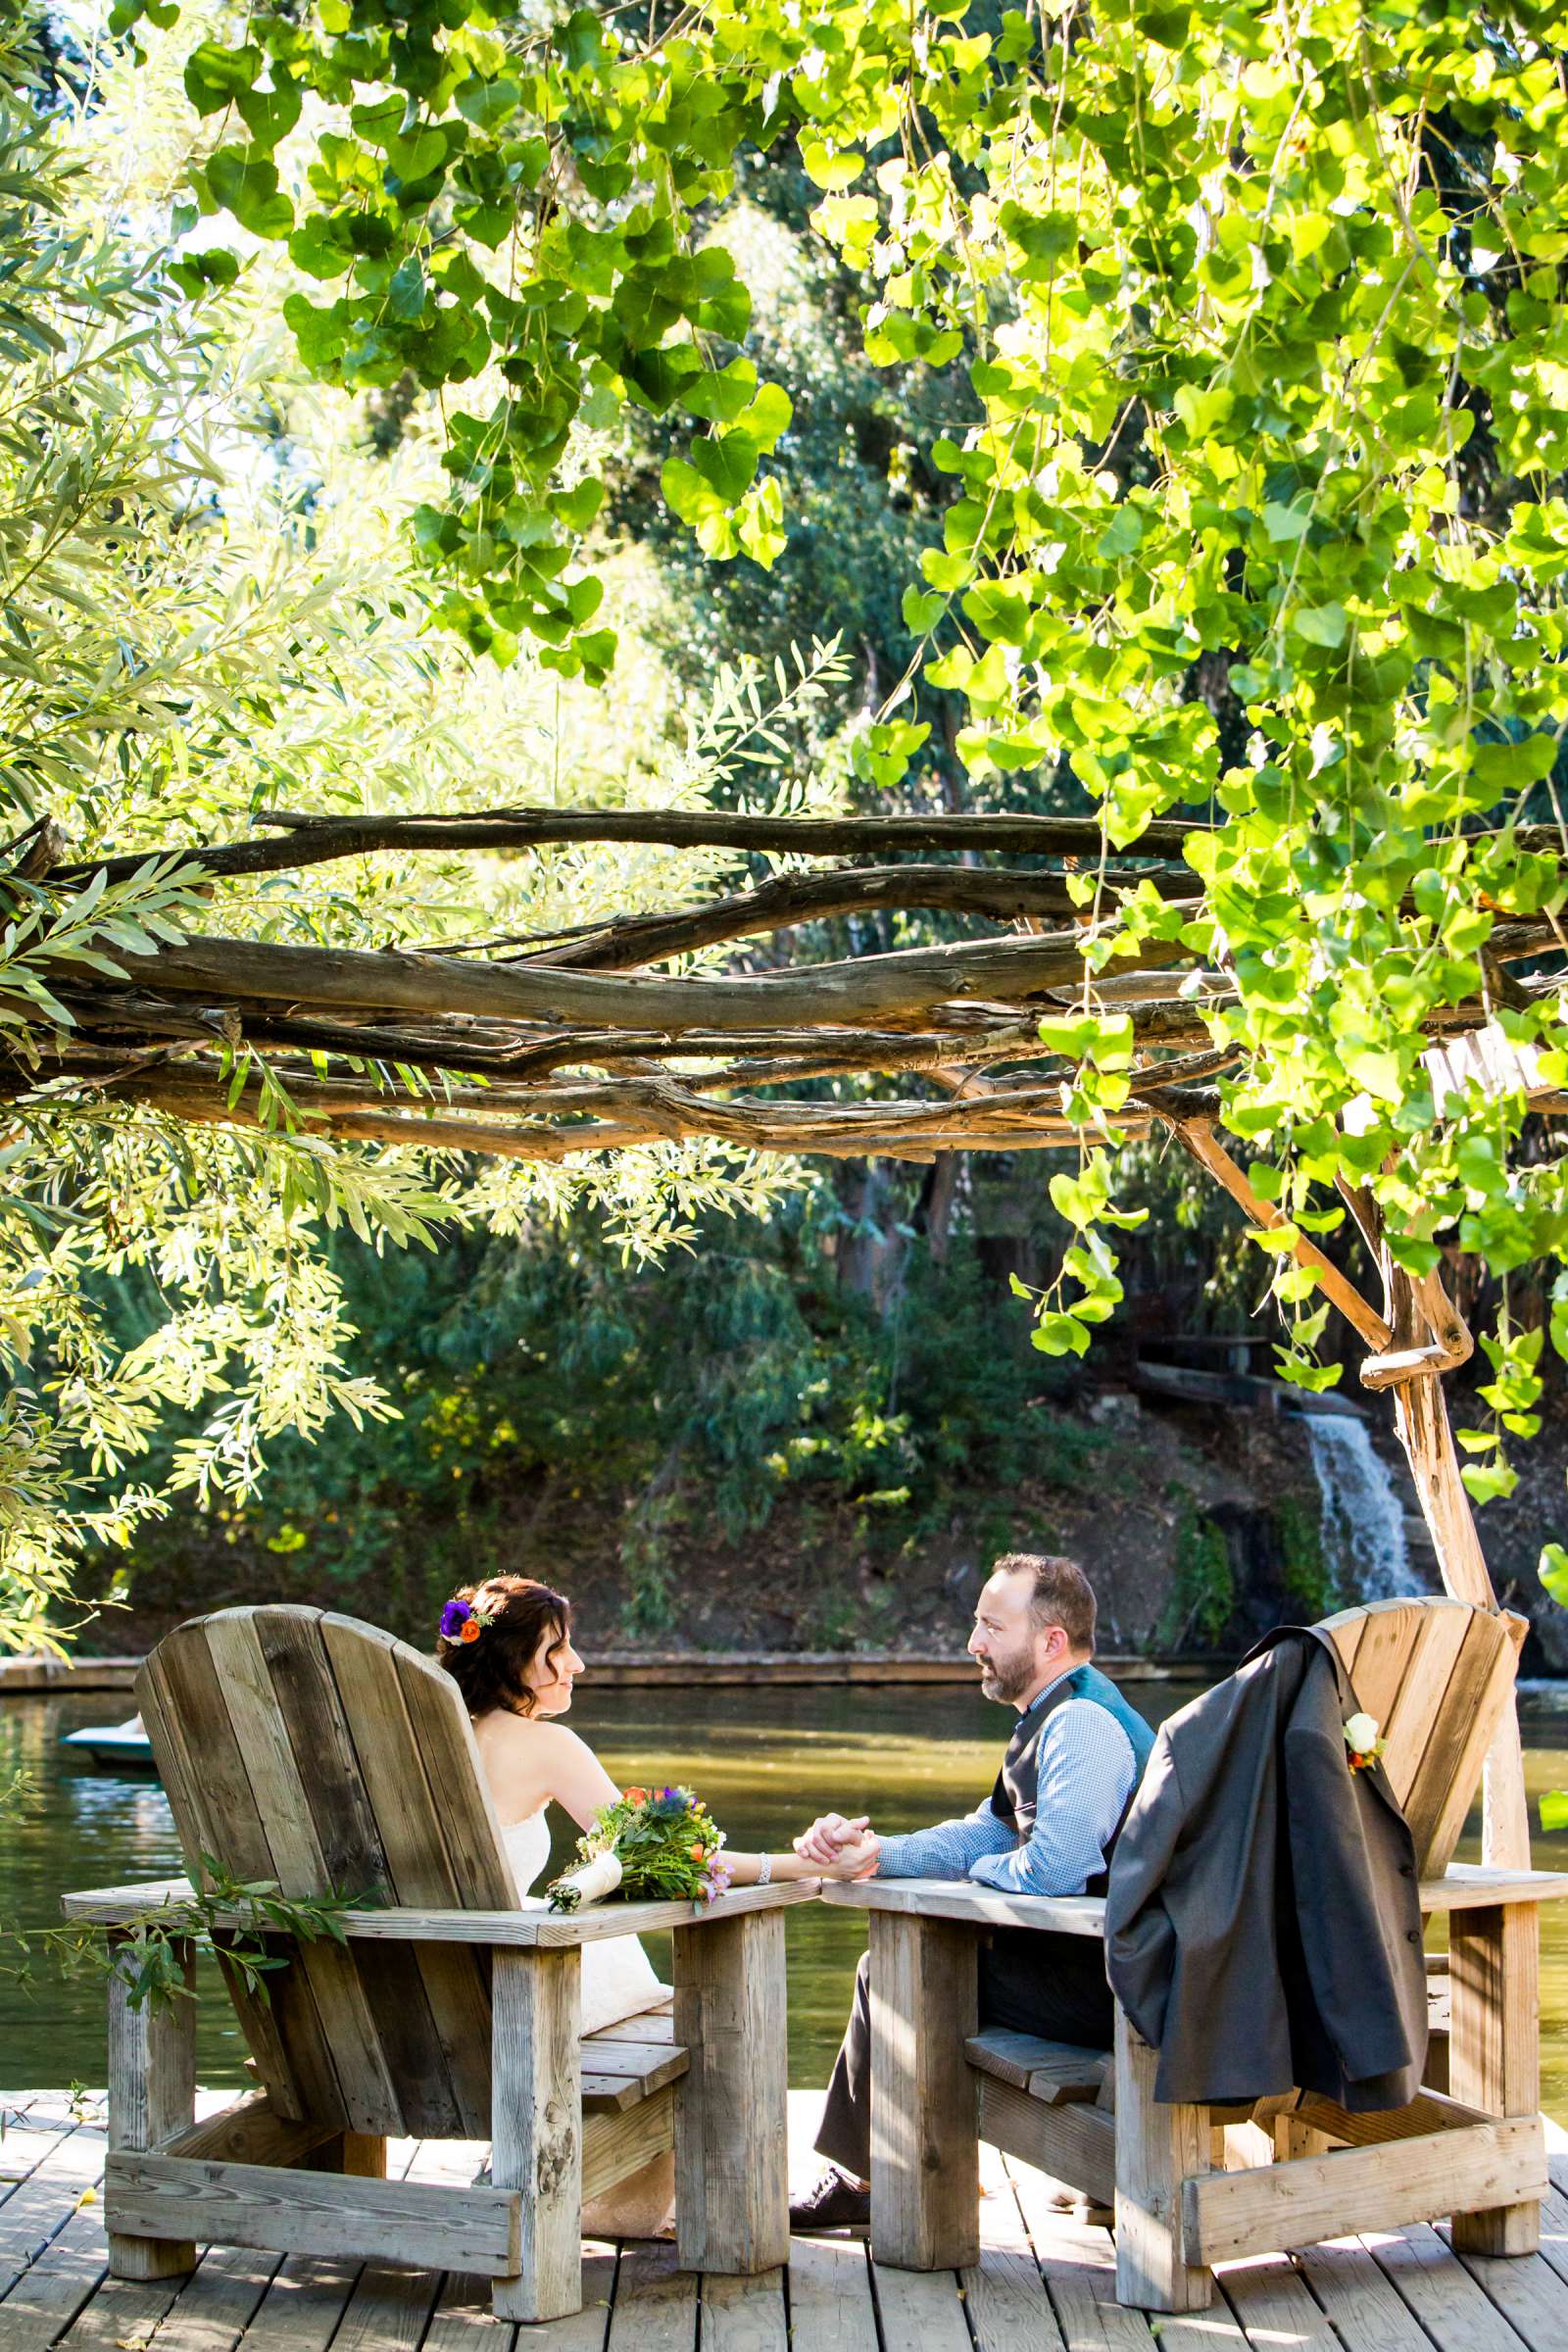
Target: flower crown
x,y
460,1620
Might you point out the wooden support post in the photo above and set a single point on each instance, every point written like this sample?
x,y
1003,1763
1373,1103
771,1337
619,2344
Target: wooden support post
x,y
732,2199
536,2126
359,2155
1495,2047
152,2094
1157,2147
925,2136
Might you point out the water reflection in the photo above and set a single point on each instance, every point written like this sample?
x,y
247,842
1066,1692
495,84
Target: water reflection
x,y
766,1761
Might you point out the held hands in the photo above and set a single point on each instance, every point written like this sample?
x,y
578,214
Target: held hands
x,y
840,1848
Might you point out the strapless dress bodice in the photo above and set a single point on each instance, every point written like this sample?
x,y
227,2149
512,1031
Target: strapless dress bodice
x,y
617,1976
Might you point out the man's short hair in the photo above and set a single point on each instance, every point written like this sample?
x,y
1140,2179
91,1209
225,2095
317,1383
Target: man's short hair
x,y
1062,1594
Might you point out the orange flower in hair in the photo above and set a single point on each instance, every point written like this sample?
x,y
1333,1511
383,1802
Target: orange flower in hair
x,y
471,1629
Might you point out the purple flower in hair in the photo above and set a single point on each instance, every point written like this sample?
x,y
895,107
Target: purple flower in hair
x,y
454,1617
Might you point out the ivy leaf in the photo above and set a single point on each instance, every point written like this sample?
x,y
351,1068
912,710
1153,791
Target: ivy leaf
x,y
1060,1334
1321,624
246,185
487,104
1554,1572
406,294
216,73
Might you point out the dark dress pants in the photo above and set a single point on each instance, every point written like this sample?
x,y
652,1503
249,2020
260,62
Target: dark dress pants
x,y
1051,1986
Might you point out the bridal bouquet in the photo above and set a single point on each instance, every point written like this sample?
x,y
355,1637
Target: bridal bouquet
x,y
664,1847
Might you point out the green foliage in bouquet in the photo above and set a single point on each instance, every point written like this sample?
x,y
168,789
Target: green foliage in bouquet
x,y
668,1846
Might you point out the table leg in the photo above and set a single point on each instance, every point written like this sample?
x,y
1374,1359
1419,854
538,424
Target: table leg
x,y
152,2094
536,2126
732,2202
1495,2047
925,2138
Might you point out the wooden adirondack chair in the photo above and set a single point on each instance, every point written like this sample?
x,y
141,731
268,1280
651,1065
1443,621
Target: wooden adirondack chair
x,y
1437,1674
306,1748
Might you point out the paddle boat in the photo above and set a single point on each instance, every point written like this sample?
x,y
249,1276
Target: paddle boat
x,y
124,1744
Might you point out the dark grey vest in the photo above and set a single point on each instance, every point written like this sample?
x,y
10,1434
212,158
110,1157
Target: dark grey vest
x,y
1016,1792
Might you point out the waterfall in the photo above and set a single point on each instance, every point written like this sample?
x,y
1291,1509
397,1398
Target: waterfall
x,y
1362,1517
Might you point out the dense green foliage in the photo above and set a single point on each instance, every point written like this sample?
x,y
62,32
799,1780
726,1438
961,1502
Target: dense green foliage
x,y
1217,469
1250,320
682,1403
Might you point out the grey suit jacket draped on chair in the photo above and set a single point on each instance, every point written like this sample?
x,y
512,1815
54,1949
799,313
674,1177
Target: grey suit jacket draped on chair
x,y
1263,1923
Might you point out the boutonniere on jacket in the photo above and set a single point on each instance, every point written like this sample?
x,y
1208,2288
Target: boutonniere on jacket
x,y
1362,1740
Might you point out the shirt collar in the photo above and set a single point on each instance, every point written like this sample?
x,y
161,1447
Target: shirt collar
x,y
1045,1694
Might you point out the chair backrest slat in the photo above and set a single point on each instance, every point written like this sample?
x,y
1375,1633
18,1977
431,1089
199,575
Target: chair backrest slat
x,y
1451,1770
299,1746
227,1826
1441,1634
364,1669
353,1859
283,1810
1437,1675
184,1786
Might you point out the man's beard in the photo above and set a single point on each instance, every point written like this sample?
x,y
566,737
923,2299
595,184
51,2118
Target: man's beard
x,y
1005,1682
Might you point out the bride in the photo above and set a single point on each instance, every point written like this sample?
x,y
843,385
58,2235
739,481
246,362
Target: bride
x,y
509,1650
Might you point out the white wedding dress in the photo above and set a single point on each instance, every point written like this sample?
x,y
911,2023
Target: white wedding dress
x,y
617,1976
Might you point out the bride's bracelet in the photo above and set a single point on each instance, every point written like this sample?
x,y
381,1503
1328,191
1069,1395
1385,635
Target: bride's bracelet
x,y
764,1869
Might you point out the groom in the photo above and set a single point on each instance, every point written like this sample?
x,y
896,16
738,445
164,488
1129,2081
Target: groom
x,y
1047,1828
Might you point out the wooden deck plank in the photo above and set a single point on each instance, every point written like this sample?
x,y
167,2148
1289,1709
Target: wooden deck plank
x,y
207,2312
39,2207
1367,2310
463,2320
51,2290
1078,2264
1272,2305
121,2310
919,2311
303,2306
1554,2231
1004,2292
25,2140
655,2303
830,2296
1527,2290
1454,2311
389,2310
744,2314
307,2297
1044,2283
583,2330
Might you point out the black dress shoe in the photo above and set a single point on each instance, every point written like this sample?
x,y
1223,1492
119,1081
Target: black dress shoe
x,y
833,2204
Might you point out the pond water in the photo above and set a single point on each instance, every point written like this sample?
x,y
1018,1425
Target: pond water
x,y
766,1761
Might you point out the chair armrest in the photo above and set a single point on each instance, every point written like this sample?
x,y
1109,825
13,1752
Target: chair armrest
x,y
143,1905
980,1906
1476,1885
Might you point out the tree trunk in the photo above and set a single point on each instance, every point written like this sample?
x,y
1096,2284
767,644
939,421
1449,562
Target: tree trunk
x,y
1416,1316
934,1216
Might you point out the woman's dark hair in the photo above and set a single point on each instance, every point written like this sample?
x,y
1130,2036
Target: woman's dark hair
x,y
492,1671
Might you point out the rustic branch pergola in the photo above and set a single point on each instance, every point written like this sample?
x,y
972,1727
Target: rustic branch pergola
x,y
544,1047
